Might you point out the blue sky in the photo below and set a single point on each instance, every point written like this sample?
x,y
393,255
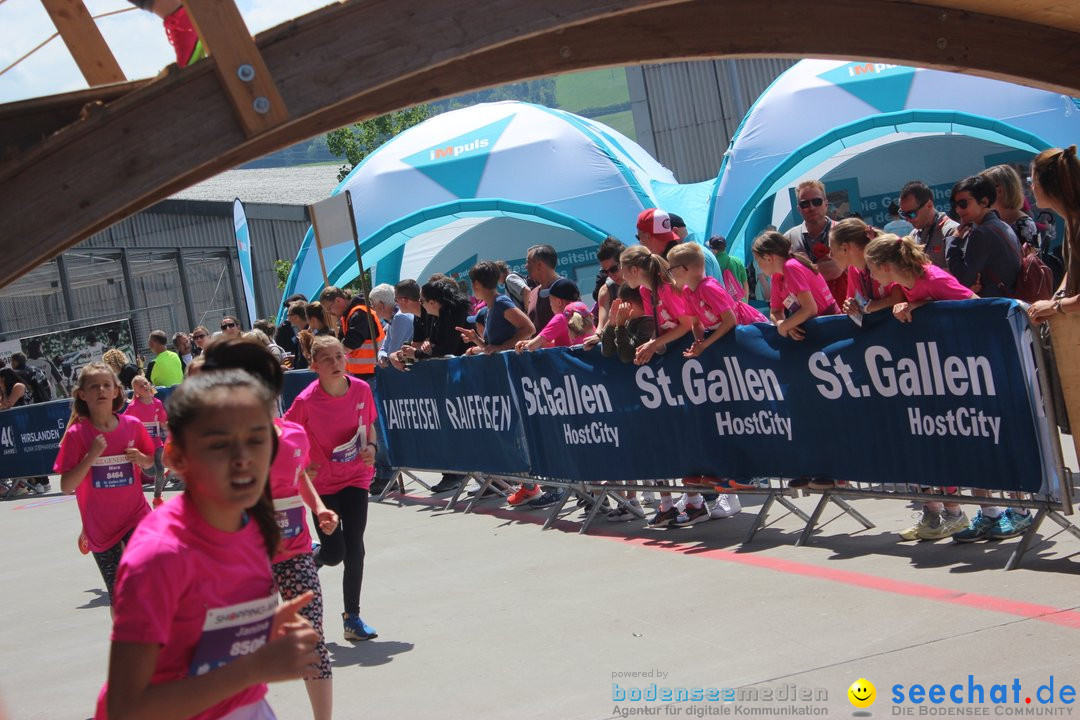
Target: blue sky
x,y
136,39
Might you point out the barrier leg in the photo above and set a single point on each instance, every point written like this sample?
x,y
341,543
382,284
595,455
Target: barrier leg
x,y
598,503
792,508
760,518
812,522
557,510
1025,541
457,494
846,507
1064,523
485,483
395,481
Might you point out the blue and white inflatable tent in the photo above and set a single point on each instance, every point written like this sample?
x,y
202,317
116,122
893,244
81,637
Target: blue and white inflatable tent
x,y
487,182
821,114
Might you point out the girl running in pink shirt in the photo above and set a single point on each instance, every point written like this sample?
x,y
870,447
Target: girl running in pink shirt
x,y
338,413
899,260
292,491
97,459
799,292
197,631
847,246
148,410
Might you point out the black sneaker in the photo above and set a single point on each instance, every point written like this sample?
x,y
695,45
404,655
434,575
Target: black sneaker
x,y
448,483
800,482
377,486
547,499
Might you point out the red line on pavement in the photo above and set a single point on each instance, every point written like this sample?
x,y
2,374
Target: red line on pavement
x,y
1032,611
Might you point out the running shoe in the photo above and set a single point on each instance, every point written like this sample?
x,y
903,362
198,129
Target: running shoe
x,y
447,483
1010,524
42,487
730,485
523,495
547,499
664,518
925,520
978,530
726,506
356,629
182,36
157,502
947,526
624,513
83,544
694,515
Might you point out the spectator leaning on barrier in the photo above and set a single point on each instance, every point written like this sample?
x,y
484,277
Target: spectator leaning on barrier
x,y
448,309
1055,182
799,291
897,225
608,256
166,369
848,241
407,297
506,324
540,262
811,237
358,322
932,228
984,255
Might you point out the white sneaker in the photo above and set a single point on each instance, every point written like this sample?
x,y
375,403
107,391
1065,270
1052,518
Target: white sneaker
x,y
726,506
42,487
648,497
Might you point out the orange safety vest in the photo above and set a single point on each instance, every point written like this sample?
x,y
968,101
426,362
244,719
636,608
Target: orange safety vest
x,y
362,360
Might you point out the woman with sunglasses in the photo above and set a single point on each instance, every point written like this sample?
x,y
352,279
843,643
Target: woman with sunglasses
x,y
200,336
984,255
230,327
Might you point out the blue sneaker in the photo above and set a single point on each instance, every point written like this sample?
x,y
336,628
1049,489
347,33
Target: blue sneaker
x,y
547,499
979,529
1010,524
356,629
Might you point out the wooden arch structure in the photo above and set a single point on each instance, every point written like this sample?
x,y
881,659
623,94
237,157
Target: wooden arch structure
x,y
73,168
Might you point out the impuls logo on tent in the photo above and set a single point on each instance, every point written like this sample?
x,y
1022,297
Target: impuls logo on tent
x,y
458,163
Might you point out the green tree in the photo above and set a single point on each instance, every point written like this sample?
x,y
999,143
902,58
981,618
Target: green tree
x,y
282,268
356,142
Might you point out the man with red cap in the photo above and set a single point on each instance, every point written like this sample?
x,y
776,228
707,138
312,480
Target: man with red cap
x,y
656,231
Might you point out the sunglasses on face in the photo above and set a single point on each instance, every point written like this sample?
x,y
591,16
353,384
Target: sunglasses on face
x,y
676,267
227,326
816,202
611,270
199,336
962,203
910,214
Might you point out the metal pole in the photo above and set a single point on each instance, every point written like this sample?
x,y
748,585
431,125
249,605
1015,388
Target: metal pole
x,y
360,269
185,288
65,286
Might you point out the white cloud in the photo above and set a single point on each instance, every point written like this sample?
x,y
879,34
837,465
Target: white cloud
x,y
136,39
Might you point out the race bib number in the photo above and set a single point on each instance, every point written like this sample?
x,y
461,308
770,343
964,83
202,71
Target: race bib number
x,y
290,515
791,305
348,451
112,471
153,429
233,632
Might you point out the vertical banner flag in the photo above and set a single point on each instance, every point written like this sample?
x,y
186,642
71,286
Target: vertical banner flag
x,y
243,251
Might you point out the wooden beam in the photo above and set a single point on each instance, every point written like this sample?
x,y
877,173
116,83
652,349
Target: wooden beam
x,y
240,67
334,68
84,41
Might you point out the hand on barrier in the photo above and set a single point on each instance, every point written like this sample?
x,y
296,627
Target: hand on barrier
x,y
645,352
793,332
902,312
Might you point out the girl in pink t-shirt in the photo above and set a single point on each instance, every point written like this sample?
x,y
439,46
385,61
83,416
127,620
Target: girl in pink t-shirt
x,y
97,461
148,410
893,259
292,491
798,291
338,413
649,273
847,246
570,322
198,631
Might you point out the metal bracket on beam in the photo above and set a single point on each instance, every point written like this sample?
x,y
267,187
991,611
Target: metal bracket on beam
x,y
239,65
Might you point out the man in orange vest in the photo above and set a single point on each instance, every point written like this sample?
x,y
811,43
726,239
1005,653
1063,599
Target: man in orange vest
x,y
357,324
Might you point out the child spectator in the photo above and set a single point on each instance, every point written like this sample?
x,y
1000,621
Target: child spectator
x,y
564,296
798,291
659,298
629,327
847,244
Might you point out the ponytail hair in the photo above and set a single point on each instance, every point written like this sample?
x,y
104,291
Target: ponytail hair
x,y
655,266
579,320
778,244
192,398
853,231
902,253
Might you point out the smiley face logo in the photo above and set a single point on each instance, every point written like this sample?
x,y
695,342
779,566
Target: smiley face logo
x,y
862,693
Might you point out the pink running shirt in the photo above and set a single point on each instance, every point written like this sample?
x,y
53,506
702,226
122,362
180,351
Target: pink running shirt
x,y
153,417
671,308
936,284
290,461
110,497
798,278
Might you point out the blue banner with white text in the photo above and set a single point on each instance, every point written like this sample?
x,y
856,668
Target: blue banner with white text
x,y
949,399
30,438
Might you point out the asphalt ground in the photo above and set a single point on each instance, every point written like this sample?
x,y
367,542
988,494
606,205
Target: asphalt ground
x,y
483,615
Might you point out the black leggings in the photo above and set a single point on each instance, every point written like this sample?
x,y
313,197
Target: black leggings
x,y
347,541
108,562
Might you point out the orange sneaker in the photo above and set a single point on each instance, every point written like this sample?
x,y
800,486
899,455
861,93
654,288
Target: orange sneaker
x,y
84,544
523,495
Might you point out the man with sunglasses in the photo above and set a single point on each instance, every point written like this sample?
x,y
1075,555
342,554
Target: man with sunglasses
x,y
812,236
932,228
